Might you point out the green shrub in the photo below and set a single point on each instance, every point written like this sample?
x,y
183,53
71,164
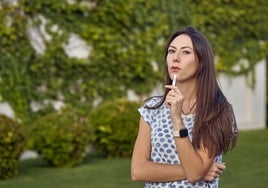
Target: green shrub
x,y
12,143
115,125
61,137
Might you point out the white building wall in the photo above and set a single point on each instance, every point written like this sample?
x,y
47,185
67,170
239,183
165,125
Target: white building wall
x,y
249,104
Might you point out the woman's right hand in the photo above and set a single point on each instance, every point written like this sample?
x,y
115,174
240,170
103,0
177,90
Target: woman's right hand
x,y
215,171
174,101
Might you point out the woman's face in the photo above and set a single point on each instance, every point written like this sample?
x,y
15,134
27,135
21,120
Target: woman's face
x,y
181,59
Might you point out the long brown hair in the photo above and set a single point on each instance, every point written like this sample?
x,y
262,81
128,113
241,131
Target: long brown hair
x,y
215,126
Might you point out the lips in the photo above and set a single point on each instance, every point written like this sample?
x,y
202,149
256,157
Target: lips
x,y
175,69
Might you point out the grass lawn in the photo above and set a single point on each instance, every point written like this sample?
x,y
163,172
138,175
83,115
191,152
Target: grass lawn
x,y
247,164
95,172
247,167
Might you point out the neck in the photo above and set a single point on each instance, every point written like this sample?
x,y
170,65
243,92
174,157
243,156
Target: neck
x,y
188,90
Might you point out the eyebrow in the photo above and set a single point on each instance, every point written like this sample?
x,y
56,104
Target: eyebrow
x,y
181,47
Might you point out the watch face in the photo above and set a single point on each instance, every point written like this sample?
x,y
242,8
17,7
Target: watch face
x,y
183,133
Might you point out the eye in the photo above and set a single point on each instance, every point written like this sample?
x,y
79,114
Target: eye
x,y
171,51
185,52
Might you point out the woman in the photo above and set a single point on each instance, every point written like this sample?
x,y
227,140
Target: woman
x,y
184,133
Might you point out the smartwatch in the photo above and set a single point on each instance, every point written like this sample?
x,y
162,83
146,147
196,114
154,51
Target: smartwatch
x,y
180,133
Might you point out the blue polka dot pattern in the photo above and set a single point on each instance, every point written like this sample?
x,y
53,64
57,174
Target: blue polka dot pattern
x,y
163,145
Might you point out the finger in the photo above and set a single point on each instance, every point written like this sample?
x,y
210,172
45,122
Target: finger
x,y
209,178
214,173
174,88
171,93
220,166
170,97
219,171
170,101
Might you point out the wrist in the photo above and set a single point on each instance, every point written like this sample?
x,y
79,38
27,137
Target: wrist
x,y
178,124
182,133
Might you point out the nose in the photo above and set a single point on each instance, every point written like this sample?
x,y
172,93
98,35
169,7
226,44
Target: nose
x,y
176,58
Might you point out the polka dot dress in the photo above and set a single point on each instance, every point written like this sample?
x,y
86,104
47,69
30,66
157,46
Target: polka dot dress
x,y
163,145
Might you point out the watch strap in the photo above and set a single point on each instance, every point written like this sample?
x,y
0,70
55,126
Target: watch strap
x,y
181,133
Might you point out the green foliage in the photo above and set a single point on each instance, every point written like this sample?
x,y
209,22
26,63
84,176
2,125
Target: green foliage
x,y
62,137
125,37
236,30
12,143
15,81
126,40
115,125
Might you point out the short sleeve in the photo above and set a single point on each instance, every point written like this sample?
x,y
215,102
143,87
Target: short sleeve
x,y
146,113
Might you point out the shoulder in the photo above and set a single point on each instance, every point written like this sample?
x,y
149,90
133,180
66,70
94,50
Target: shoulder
x,y
153,110
149,108
153,101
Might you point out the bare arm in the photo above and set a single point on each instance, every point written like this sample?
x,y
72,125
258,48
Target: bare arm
x,y
142,169
196,163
